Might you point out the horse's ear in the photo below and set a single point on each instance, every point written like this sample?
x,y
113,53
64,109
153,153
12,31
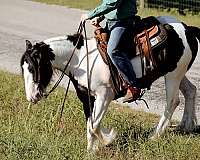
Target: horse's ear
x,y
28,45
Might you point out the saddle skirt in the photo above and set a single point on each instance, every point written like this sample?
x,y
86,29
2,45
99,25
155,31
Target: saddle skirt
x,y
148,35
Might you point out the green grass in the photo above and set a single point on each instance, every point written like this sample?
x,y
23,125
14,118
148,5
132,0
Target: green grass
x,y
33,132
90,4
82,4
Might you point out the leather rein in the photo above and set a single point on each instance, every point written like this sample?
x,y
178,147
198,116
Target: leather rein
x,y
81,29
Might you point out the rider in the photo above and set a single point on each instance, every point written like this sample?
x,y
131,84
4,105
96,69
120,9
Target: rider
x,y
120,17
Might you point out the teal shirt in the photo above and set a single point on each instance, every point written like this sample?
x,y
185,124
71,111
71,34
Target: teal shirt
x,y
114,9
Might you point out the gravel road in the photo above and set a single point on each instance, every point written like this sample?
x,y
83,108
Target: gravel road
x,y
21,20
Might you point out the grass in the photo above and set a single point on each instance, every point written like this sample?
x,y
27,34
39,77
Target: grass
x,y
33,132
82,4
90,4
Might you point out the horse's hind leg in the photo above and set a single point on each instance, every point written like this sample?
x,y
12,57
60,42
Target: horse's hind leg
x,y
172,95
189,120
103,98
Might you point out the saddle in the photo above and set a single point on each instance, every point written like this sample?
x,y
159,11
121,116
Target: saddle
x,y
149,34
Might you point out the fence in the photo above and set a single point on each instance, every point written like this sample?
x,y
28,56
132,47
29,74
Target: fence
x,y
182,6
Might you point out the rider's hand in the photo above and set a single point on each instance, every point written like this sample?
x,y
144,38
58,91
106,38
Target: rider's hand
x,y
84,17
95,21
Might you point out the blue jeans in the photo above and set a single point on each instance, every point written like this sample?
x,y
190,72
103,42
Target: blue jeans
x,y
119,41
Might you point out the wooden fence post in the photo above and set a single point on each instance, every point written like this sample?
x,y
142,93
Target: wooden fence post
x,y
141,4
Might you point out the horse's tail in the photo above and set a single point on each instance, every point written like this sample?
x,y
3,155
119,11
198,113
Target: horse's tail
x,y
194,31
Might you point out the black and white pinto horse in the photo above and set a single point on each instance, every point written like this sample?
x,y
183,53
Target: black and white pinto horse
x,y
39,60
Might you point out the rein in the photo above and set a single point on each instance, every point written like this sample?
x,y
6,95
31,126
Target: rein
x,y
88,74
81,28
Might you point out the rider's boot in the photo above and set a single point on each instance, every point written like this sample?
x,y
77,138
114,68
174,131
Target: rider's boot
x,y
132,94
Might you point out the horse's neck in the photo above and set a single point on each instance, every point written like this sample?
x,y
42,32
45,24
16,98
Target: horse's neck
x,y
63,49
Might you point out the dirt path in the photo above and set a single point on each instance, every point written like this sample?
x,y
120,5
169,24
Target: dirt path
x,y
21,20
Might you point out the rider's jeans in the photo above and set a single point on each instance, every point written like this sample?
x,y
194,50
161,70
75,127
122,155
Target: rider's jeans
x,y
118,51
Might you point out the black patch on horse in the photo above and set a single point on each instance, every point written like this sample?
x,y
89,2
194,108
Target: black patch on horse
x,y
82,93
76,39
191,34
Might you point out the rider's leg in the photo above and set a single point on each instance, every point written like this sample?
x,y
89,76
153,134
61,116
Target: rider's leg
x,y
122,62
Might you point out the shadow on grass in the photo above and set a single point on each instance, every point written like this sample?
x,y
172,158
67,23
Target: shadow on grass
x,y
130,137
133,136
178,131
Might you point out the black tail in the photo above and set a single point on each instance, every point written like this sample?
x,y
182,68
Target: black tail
x,y
194,31
192,34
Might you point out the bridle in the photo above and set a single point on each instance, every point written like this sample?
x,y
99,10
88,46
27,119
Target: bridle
x,y
39,59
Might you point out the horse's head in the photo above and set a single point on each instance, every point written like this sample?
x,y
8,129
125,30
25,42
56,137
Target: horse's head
x,y
36,69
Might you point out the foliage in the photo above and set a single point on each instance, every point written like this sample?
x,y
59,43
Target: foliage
x,y
33,132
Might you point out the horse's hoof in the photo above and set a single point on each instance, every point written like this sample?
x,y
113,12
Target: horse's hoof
x,y
108,136
187,126
93,149
154,137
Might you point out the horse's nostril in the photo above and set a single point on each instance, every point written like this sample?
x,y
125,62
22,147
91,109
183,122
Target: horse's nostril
x,y
38,95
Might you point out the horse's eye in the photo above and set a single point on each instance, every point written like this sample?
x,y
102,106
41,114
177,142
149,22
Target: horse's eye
x,y
31,70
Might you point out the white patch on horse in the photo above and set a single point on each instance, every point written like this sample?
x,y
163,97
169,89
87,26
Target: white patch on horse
x,y
62,48
31,88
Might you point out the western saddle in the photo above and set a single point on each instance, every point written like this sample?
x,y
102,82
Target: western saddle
x,y
148,35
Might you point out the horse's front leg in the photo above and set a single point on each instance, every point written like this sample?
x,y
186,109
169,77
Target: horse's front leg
x,y
103,97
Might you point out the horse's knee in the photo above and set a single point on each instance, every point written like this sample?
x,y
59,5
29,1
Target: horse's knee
x,y
191,93
188,89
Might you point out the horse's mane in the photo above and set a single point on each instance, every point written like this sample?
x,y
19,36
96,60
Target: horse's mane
x,y
72,38
76,37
